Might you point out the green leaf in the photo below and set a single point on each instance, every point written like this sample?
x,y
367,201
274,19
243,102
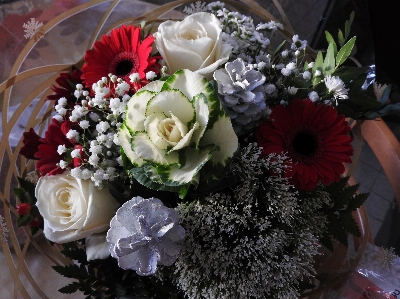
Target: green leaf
x,y
356,85
72,271
347,26
345,196
70,288
345,52
364,102
335,227
341,38
336,187
279,48
183,191
327,241
24,220
140,175
349,224
346,111
357,201
347,74
318,63
26,185
72,251
330,41
329,63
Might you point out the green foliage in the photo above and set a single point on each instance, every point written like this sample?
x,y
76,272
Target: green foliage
x,y
104,278
331,40
278,49
344,200
345,52
329,63
26,194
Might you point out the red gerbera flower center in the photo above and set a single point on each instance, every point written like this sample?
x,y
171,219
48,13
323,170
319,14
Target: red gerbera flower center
x,y
124,64
304,144
315,138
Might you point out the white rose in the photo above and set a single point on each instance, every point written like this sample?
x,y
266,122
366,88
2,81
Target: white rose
x,y
73,209
194,43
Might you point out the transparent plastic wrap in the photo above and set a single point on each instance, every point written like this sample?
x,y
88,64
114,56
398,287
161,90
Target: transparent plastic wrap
x,y
377,276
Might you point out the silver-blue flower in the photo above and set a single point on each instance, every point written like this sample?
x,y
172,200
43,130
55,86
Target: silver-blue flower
x,y
143,234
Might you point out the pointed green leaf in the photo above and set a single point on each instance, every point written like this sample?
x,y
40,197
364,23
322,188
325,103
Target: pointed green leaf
x,y
72,271
340,38
357,201
347,26
26,185
349,224
331,40
70,288
356,85
336,229
183,191
279,48
318,63
365,102
329,63
336,187
345,51
348,74
345,196
327,241
24,220
346,111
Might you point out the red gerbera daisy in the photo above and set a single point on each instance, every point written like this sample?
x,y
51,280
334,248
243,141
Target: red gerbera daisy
x,y
314,137
121,53
47,150
65,87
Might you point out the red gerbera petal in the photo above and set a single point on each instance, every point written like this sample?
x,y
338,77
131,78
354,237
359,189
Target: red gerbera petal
x,y
314,137
47,150
121,53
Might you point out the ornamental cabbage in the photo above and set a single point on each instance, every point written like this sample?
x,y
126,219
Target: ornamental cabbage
x,y
172,129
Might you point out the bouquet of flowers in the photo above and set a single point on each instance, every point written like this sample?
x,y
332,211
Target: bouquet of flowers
x,y
194,160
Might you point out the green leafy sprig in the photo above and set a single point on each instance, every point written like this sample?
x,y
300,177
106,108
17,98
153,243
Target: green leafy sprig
x,y
26,194
344,200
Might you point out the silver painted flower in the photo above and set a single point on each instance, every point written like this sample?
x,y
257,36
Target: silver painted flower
x,y
143,234
241,91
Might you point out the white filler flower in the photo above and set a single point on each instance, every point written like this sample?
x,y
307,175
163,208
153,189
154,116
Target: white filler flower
x,y
336,86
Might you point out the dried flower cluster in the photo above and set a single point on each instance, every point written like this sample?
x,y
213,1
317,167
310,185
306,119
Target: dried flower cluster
x,y
256,242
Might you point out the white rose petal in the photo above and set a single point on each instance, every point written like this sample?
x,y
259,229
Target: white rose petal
x,y
97,247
